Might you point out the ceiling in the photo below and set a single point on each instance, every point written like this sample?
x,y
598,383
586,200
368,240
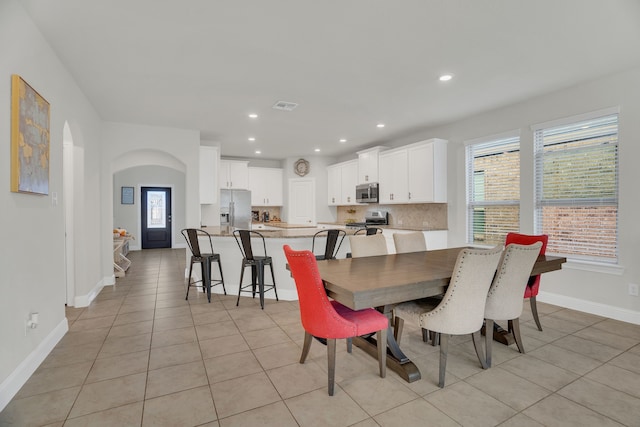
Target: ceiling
x,y
349,64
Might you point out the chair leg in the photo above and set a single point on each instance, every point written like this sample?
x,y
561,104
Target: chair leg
x,y
381,336
331,359
240,287
514,326
189,279
476,337
488,338
425,335
397,328
534,311
254,279
349,345
273,277
444,347
202,273
221,276
306,346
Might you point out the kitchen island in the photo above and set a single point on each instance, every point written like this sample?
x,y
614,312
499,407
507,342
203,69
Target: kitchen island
x,y
276,236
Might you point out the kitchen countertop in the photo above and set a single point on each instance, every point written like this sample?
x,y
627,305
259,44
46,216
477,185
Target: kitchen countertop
x,y
392,227
283,233
284,225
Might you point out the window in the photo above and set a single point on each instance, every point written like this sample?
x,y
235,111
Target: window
x,y
576,178
493,189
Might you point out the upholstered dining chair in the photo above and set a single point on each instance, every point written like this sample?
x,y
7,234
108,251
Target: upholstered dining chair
x,y
461,310
204,259
368,245
329,319
334,238
257,264
533,284
504,299
409,242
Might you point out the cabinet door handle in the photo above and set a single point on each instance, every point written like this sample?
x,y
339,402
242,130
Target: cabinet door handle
x,y
409,195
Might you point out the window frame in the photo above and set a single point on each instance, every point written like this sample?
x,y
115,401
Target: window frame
x,y
540,202
498,140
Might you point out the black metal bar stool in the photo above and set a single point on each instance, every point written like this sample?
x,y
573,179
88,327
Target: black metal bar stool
x,y
257,263
334,241
205,259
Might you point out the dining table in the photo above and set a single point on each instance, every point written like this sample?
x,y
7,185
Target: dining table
x,y
387,280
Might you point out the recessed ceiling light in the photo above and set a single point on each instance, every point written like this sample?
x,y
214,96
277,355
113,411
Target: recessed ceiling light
x,y
343,140
258,152
252,139
446,77
317,150
380,125
253,116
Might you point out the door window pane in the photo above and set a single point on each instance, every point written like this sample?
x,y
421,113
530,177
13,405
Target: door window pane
x,y
156,209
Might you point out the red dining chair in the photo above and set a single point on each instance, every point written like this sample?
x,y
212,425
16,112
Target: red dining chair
x,y
325,318
533,286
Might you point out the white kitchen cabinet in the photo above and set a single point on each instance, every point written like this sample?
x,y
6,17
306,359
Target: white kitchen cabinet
x,y
234,174
209,158
266,186
415,173
341,183
394,180
368,165
427,171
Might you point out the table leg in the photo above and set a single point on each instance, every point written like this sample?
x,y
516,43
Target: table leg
x,y
500,334
397,361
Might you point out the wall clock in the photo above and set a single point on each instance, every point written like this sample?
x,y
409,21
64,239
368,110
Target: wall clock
x,y
301,167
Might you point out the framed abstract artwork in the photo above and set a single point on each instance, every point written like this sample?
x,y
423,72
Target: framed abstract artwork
x,y
30,139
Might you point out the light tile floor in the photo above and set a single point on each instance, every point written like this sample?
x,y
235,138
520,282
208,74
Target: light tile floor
x,y
141,355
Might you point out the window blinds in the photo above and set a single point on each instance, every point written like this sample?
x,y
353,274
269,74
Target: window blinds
x,y
493,190
576,179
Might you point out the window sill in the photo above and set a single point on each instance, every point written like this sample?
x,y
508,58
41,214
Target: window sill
x,y
593,266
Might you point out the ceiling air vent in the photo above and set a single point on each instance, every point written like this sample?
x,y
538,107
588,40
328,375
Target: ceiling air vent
x,y
284,105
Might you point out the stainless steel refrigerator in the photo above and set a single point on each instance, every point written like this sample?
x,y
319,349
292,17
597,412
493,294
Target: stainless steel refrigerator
x,y
235,208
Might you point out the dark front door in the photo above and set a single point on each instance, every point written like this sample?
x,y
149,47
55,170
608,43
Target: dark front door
x,y
156,217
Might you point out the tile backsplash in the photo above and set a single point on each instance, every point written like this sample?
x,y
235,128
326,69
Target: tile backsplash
x,y
432,216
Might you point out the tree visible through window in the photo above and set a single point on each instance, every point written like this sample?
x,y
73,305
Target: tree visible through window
x,y
577,188
493,190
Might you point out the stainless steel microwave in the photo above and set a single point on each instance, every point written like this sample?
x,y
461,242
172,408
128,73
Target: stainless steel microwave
x,y
367,193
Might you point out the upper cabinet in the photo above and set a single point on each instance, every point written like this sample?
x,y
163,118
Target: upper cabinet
x,y
209,157
427,169
266,186
368,165
342,179
415,173
234,174
394,186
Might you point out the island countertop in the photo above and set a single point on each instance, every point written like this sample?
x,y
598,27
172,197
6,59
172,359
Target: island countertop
x,y
280,233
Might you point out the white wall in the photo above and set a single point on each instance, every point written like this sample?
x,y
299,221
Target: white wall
x,y
604,291
32,256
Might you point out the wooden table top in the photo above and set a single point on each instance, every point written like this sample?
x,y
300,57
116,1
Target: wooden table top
x,y
389,279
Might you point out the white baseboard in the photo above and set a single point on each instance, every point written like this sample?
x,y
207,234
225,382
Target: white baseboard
x,y
85,300
23,372
617,313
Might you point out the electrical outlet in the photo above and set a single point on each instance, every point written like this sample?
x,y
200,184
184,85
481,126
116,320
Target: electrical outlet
x,y
633,289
